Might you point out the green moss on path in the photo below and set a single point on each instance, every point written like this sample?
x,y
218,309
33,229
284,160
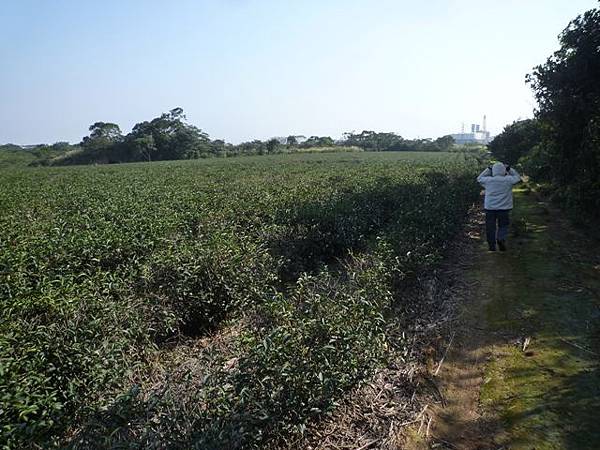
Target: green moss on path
x,y
546,288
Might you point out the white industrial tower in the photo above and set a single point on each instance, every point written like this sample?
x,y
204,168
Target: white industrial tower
x,y
478,135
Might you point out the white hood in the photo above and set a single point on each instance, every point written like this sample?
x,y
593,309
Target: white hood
x,y
498,169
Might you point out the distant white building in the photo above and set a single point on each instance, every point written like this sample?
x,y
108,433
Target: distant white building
x,y
478,135
283,139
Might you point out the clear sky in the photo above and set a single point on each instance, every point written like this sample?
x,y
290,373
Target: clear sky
x,y
245,69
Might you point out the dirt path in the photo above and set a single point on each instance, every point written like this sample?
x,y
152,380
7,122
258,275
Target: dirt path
x,y
522,370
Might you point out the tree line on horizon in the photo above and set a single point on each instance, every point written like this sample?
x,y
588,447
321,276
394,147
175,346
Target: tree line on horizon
x,y
171,137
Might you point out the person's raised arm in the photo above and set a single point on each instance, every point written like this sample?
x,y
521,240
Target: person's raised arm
x,y
485,174
514,176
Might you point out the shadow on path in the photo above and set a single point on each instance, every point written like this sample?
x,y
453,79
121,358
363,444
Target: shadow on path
x,y
523,369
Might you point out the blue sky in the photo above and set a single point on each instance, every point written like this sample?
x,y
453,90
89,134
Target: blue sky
x,y
245,69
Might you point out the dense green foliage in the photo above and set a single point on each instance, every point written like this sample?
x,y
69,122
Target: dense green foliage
x,y
568,95
170,137
516,140
14,155
373,141
106,271
167,137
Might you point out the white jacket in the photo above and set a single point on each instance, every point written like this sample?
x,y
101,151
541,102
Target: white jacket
x,y
498,188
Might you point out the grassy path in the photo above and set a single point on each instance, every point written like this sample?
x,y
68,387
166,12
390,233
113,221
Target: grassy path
x,y
523,370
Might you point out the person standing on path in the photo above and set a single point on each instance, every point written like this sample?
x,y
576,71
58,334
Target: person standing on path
x,y
498,182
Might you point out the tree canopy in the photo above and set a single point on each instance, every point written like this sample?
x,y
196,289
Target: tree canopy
x,y
380,142
516,140
567,89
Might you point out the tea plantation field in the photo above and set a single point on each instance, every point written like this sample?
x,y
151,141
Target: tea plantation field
x,y
208,304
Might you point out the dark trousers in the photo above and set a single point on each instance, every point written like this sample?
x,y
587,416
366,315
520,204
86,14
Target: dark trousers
x,y
496,225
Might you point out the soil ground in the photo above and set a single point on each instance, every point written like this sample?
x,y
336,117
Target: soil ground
x,y
523,359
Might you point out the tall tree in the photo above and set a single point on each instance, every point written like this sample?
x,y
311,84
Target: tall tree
x,y
272,145
169,137
516,140
102,134
567,89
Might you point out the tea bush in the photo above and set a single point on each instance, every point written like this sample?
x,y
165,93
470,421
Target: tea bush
x,y
101,267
